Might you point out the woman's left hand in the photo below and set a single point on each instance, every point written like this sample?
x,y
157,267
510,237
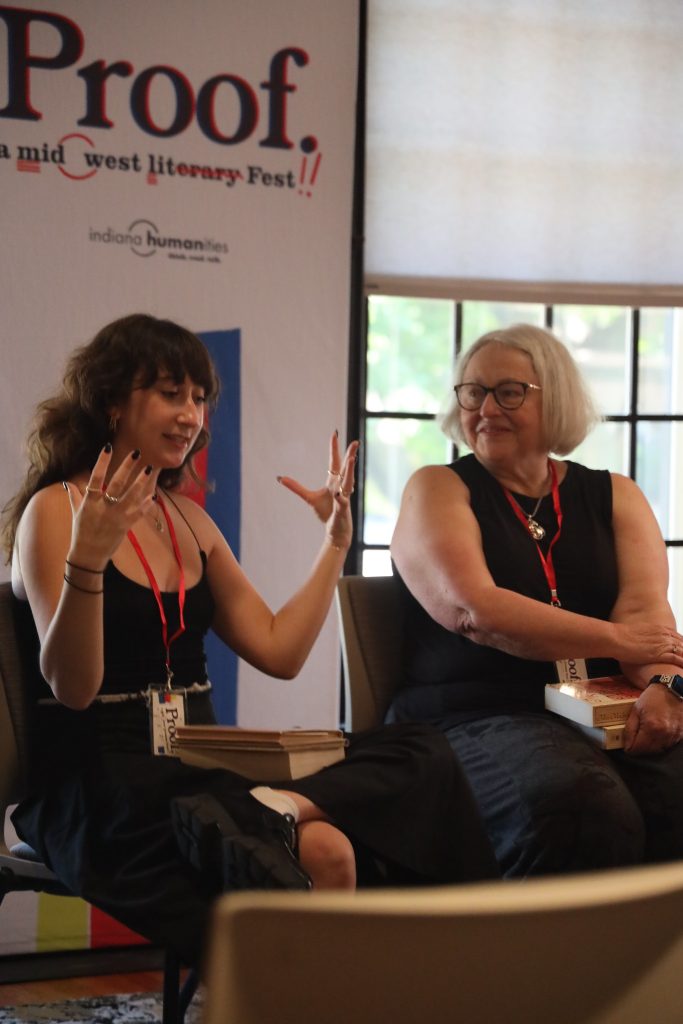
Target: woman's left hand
x,y
331,502
655,723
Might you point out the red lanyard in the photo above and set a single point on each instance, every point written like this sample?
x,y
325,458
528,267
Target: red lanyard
x,y
157,593
546,560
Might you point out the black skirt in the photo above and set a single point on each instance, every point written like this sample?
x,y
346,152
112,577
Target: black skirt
x,y
101,818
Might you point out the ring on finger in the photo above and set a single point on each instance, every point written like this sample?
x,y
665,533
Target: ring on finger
x,y
110,498
331,472
93,490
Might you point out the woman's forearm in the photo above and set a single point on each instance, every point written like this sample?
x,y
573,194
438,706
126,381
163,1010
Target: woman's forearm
x,y
529,629
71,654
296,626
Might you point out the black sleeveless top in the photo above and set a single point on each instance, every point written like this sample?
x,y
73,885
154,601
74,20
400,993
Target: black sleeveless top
x,y
134,657
447,675
134,654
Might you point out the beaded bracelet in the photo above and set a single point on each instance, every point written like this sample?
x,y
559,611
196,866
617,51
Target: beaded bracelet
x,y
83,590
72,565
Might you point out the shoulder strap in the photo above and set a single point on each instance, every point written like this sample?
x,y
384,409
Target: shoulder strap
x,y
182,516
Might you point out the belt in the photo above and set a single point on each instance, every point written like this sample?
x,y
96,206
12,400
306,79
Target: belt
x,y
121,698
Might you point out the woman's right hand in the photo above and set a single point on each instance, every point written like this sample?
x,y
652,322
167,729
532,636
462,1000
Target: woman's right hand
x,y
645,643
103,516
655,723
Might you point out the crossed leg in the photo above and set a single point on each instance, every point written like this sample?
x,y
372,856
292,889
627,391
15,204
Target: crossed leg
x,y
325,853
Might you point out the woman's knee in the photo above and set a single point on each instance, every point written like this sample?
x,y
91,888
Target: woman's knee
x,y
326,854
578,828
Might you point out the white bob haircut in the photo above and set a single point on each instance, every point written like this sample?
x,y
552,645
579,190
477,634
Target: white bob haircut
x,y
568,410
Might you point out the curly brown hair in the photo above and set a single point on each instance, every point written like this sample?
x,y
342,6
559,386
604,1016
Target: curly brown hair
x,y
70,428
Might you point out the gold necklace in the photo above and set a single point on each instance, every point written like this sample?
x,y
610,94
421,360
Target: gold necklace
x,y
158,521
535,529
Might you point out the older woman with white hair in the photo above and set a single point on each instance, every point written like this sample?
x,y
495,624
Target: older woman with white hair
x,y
514,563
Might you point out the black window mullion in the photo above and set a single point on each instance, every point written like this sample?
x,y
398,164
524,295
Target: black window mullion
x,y
457,349
633,405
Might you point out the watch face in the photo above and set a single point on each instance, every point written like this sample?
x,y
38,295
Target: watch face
x,y
676,685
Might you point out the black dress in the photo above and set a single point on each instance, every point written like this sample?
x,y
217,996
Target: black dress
x,y
99,810
551,801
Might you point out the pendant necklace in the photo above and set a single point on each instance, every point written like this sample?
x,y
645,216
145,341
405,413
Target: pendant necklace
x,y
535,528
158,521
536,531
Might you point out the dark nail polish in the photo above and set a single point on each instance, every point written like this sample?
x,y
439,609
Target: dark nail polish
x,y
148,470
107,447
135,454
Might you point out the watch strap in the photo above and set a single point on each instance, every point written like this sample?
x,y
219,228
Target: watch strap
x,y
673,683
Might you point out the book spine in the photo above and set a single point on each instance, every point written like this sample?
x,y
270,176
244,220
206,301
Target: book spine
x,y
611,714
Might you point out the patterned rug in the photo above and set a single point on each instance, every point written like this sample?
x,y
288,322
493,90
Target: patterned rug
x,y
136,1009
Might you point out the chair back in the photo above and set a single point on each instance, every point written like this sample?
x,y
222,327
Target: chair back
x,y
371,625
14,714
599,948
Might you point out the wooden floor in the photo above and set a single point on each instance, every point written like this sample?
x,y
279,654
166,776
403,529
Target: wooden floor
x,y
77,988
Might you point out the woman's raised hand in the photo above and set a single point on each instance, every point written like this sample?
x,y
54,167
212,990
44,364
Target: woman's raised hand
x,y
331,501
103,515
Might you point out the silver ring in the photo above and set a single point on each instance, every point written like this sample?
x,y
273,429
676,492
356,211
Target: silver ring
x,y
110,498
93,490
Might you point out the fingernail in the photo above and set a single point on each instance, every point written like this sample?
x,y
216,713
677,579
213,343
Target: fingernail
x,y
148,470
336,433
279,479
107,447
135,454
65,486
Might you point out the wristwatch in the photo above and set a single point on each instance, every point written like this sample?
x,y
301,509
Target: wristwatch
x,y
673,683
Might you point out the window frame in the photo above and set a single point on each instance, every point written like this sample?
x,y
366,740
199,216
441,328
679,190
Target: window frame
x,y
548,294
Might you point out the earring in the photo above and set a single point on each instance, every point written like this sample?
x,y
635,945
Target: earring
x,y
113,424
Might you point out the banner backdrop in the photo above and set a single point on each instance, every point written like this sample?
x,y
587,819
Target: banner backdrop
x,y
193,161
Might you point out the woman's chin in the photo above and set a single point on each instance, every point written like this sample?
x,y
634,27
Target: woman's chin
x,y
494,446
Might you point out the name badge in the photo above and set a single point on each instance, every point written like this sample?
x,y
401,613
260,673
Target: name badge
x,y
167,712
570,669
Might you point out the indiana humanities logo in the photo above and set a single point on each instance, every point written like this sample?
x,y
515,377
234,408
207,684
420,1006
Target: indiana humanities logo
x,y
144,239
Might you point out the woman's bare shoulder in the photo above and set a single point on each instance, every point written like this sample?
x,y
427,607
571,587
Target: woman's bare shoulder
x,y
435,480
48,501
197,516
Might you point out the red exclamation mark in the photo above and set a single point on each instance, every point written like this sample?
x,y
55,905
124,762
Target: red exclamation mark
x,y
308,145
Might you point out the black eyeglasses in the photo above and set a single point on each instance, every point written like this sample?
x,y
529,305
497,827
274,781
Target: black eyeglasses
x,y
510,394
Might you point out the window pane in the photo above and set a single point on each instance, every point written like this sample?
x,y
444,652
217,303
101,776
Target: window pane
x,y
606,447
410,353
660,360
599,339
376,563
659,456
481,317
676,583
394,450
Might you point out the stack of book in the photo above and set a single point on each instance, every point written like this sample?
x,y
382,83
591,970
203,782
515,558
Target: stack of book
x,y
264,755
599,706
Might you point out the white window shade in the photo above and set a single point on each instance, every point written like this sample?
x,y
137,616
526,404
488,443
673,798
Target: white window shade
x,y
525,140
